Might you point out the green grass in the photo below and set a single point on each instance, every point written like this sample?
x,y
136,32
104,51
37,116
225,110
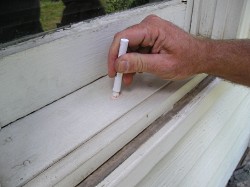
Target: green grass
x,y
103,2
51,11
111,6
51,14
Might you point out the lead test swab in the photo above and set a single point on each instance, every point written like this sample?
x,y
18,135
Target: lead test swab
x,y
118,78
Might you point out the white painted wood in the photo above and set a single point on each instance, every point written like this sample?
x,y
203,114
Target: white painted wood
x,y
76,127
188,16
64,142
138,165
67,124
235,132
195,21
207,17
227,18
224,172
34,77
221,14
182,161
233,19
218,19
244,27
134,122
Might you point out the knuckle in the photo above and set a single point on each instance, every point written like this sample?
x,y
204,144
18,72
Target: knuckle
x,y
152,19
117,35
133,27
151,16
140,66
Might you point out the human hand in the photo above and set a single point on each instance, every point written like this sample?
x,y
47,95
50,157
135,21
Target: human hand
x,y
155,46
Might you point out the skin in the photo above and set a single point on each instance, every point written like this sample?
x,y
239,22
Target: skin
x,y
159,47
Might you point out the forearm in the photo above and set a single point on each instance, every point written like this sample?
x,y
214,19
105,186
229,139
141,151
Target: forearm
x,y
175,54
229,59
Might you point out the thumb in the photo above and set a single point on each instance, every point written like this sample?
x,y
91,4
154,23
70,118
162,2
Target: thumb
x,y
136,62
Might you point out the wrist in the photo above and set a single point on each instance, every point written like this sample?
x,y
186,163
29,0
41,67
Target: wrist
x,y
204,55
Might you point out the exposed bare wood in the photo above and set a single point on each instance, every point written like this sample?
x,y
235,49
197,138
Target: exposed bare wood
x,y
143,165
104,170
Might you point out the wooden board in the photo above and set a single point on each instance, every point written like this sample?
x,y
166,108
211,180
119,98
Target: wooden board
x,y
129,126
233,19
75,125
227,18
195,21
142,165
40,71
207,17
230,161
244,27
231,140
60,144
188,16
218,19
187,153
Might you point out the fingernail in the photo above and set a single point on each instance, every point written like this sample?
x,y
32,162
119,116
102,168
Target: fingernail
x,y
123,66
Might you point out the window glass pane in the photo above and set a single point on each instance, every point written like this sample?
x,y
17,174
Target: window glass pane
x,y
19,18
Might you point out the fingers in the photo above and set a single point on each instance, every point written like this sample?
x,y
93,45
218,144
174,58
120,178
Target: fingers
x,y
135,36
155,46
136,62
128,78
140,35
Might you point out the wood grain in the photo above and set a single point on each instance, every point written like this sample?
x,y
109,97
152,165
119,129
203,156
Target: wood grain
x,y
196,14
77,124
226,19
230,161
233,139
189,151
34,76
188,16
67,124
142,165
62,143
217,19
244,27
207,17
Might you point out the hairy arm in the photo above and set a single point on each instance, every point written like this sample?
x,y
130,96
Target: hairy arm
x,y
161,48
228,59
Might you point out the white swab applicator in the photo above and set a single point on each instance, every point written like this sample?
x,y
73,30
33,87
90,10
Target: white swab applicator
x,y
118,78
